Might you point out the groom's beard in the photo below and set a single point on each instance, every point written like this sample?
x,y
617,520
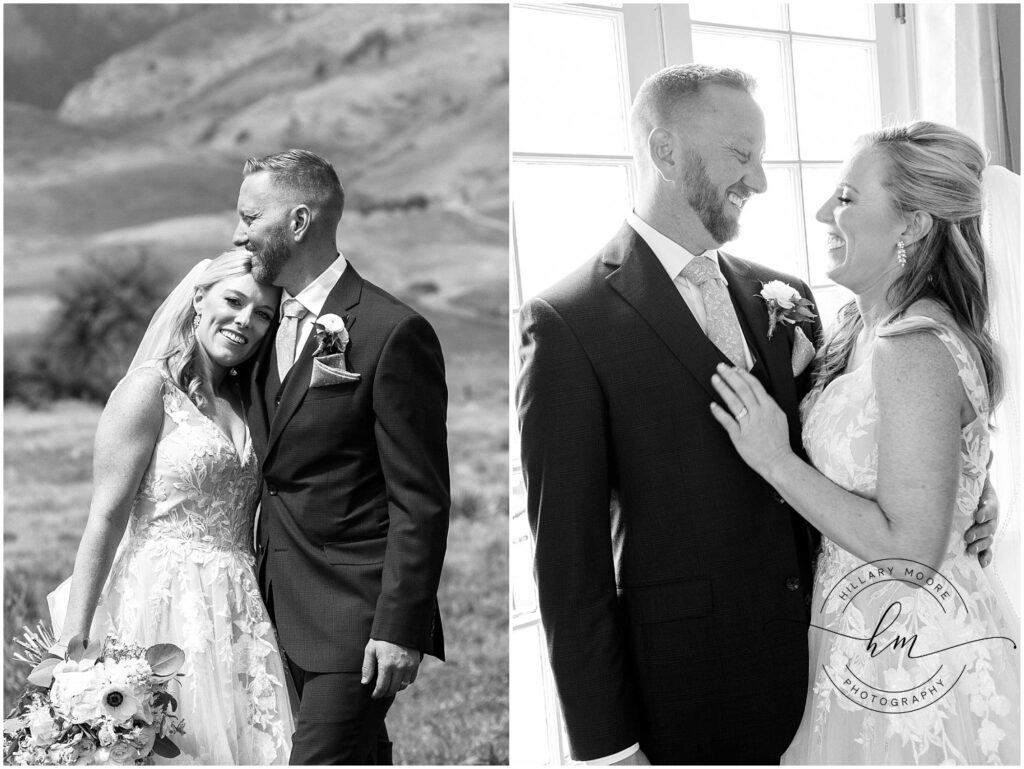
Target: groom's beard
x,y
704,199
270,258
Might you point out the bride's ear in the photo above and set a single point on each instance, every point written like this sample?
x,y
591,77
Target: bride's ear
x,y
197,301
919,224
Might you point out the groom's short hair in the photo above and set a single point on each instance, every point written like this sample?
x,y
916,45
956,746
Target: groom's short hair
x,y
306,174
661,96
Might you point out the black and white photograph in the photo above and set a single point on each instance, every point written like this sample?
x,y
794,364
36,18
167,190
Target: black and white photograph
x,y
765,462
256,384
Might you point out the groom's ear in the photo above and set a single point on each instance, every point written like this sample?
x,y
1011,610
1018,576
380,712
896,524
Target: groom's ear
x,y
665,153
301,219
919,224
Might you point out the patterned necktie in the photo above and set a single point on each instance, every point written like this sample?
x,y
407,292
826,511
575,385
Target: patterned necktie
x,y
723,325
286,334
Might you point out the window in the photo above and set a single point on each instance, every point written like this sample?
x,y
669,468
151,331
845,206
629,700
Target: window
x,y
826,74
571,170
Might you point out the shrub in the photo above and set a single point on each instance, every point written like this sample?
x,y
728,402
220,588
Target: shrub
x,y
25,378
104,308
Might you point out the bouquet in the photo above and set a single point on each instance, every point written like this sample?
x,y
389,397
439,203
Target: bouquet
x,y
100,704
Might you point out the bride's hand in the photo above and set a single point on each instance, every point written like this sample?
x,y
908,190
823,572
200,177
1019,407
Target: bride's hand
x,y
757,426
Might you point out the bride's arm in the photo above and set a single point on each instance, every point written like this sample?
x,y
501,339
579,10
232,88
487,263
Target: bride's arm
x,y
127,432
920,398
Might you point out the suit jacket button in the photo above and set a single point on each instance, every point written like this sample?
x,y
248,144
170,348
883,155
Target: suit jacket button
x,y
792,583
272,490
778,498
277,400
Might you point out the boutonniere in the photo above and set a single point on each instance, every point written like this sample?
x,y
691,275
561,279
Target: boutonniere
x,y
785,305
329,356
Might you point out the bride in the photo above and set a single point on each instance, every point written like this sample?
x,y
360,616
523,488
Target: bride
x,y
913,664
176,483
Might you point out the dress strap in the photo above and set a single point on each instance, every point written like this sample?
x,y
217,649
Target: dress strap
x,y
971,378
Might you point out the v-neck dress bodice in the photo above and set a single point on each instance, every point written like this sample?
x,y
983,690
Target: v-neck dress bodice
x,y
185,575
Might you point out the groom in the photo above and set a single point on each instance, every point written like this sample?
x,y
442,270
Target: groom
x,y
674,582
354,515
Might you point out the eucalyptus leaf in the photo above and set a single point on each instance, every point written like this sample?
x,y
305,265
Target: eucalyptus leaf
x,y
165,659
42,674
12,725
77,647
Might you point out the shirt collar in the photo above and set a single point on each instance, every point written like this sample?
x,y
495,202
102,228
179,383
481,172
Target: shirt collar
x,y
313,296
673,257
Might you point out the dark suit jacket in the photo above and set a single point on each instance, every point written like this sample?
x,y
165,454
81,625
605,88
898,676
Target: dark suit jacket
x,y
354,517
674,582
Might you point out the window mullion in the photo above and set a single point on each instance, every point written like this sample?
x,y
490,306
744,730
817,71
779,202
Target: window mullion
x,y
795,127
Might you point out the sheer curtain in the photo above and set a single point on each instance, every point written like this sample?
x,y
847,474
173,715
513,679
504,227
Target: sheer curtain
x,y
959,82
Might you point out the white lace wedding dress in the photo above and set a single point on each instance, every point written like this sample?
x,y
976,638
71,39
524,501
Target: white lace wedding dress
x,y
973,719
184,574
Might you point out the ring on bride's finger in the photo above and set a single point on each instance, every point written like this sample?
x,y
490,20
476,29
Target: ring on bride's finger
x,y
743,413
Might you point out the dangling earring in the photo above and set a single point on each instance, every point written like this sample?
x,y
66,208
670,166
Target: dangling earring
x,y
195,322
901,253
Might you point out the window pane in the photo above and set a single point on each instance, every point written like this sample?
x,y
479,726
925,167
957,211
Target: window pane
x,y
524,593
770,226
836,95
564,213
763,15
836,19
567,87
762,56
529,710
819,185
828,301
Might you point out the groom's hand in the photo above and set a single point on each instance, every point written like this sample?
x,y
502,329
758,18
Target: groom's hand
x,y
394,666
986,521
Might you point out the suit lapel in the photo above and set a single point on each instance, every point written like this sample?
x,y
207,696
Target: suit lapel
x,y
642,281
341,301
774,353
259,422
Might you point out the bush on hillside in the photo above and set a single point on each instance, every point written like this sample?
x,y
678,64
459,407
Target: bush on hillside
x,y
104,309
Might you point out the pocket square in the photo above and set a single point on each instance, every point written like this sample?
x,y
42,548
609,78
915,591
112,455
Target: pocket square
x,y
803,352
330,370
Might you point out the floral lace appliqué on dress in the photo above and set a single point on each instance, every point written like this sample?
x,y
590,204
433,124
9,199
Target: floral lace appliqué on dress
x,y
976,720
185,575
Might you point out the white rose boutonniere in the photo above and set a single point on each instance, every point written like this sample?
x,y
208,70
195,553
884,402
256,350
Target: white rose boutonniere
x,y
785,304
331,335
329,357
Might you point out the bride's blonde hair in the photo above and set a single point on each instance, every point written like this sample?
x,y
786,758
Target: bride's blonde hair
x,y
937,169
187,361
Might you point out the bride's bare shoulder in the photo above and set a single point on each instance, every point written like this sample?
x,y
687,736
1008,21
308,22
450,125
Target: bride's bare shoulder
x,y
138,399
929,308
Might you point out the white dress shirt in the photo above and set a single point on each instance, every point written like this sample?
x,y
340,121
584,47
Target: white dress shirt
x,y
674,258
312,297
